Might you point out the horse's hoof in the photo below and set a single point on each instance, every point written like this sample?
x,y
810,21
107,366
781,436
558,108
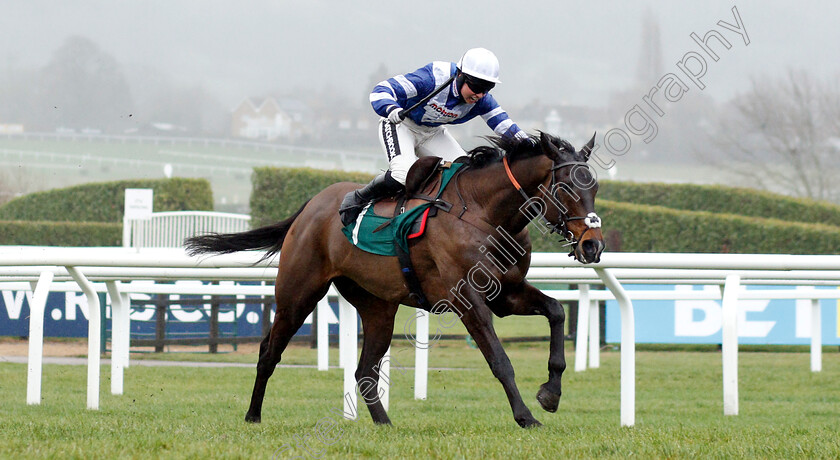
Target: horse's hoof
x,y
252,418
548,400
530,422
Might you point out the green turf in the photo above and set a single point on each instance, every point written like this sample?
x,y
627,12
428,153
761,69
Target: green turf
x,y
785,411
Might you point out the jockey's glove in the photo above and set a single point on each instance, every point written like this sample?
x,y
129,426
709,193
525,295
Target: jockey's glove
x,y
394,115
528,143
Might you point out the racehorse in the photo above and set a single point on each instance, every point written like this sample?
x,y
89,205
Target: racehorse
x,y
471,261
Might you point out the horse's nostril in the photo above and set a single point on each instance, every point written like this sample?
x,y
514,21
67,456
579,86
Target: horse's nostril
x,y
592,248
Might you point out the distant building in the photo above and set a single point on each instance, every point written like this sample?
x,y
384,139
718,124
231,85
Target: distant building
x,y
649,69
265,121
11,128
269,120
575,123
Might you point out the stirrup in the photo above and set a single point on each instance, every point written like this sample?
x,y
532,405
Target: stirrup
x,y
350,208
353,202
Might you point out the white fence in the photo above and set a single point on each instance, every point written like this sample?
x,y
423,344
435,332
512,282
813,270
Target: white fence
x,y
169,229
93,270
249,155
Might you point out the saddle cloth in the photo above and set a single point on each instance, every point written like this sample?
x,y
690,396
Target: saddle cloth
x,y
371,234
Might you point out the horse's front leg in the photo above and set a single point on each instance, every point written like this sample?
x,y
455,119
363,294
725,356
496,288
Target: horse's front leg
x,y
525,299
478,321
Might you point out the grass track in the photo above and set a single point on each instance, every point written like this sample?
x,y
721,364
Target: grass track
x,y
786,411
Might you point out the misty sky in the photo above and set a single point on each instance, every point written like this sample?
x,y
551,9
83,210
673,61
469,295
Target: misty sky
x,y
554,51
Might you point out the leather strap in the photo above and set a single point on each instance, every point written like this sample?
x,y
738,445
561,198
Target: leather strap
x,y
477,222
513,179
415,289
510,174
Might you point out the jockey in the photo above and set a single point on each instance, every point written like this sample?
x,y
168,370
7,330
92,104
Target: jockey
x,y
463,95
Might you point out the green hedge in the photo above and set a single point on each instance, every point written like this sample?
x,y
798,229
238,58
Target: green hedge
x,y
639,228
104,202
721,199
280,192
60,233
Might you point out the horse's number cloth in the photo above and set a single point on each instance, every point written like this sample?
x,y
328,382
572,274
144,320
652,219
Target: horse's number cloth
x,y
360,233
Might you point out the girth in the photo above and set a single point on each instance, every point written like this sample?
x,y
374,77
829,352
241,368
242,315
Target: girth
x,y
433,204
415,289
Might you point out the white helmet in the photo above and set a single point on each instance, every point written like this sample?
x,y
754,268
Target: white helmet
x,y
480,63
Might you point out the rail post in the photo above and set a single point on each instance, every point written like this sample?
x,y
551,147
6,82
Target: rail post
x,y
214,324
582,334
729,344
160,322
816,336
323,334
120,330
36,337
421,355
348,351
94,337
628,348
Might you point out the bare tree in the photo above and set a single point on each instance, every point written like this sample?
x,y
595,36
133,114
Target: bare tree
x,y
14,183
6,193
784,135
83,87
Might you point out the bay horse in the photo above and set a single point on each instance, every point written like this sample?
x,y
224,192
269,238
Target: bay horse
x,y
502,187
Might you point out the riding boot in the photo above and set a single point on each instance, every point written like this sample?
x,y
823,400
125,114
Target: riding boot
x,y
381,186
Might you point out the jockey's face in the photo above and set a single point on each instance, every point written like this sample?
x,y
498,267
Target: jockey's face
x,y
474,88
469,95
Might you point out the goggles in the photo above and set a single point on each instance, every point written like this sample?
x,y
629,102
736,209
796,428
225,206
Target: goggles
x,y
478,85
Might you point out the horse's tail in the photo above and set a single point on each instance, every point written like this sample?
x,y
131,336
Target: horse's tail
x,y
270,237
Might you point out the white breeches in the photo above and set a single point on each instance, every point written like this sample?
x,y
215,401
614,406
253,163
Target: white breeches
x,y
407,141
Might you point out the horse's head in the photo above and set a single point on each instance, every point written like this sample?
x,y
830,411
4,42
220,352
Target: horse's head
x,y
570,198
557,185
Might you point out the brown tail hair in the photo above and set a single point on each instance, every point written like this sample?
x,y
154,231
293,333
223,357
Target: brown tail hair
x,y
270,237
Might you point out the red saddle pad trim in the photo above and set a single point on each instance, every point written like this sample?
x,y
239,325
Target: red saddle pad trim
x,y
422,224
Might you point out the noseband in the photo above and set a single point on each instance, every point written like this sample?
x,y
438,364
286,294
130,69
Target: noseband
x,y
591,219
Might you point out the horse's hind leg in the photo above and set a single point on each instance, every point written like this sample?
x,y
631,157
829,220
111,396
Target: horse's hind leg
x,y
296,298
378,325
264,371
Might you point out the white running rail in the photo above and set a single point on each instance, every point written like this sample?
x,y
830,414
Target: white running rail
x,y
42,269
169,229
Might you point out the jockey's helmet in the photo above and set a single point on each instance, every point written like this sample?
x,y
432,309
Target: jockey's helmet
x,y
481,64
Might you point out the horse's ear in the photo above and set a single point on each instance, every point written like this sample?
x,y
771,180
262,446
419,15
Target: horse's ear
x,y
587,149
549,148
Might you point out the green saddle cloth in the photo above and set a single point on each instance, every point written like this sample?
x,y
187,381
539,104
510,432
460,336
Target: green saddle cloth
x,y
360,232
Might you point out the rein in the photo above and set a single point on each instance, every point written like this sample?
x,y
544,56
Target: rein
x,y
591,219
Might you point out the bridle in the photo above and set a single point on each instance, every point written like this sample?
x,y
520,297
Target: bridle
x,y
591,220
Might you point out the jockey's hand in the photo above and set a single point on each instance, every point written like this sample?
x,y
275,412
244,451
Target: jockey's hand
x,y
529,143
394,116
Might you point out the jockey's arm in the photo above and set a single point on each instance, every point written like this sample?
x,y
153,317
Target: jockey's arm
x,y
396,92
498,120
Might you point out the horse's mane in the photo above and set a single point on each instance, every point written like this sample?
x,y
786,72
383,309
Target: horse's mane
x,y
500,147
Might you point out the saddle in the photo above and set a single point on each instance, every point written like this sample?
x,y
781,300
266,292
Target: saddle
x,y
392,221
423,179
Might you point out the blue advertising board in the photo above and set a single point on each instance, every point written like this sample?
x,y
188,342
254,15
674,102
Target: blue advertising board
x,y
66,315
771,322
